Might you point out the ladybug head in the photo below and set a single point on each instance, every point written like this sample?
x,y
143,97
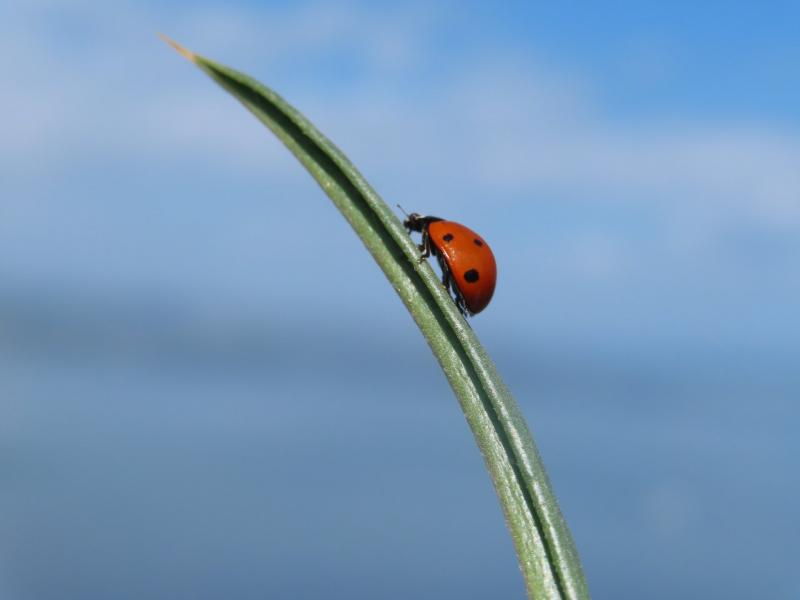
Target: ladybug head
x,y
415,222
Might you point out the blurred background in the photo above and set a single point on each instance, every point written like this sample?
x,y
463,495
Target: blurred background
x,y
208,389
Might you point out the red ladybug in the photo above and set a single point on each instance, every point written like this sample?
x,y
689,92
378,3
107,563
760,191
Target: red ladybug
x,y
467,262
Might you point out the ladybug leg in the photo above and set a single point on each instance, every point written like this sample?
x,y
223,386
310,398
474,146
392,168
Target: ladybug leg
x,y
461,305
446,280
425,246
449,285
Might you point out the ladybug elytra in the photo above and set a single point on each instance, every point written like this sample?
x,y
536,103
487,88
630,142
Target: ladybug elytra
x,y
467,262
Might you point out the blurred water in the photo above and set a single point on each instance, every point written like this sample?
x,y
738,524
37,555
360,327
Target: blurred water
x,y
150,454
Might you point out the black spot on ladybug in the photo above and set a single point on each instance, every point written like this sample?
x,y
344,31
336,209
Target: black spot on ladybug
x,y
471,276
447,237
478,242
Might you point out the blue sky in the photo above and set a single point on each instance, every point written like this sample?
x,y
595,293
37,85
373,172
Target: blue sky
x,y
600,149
635,168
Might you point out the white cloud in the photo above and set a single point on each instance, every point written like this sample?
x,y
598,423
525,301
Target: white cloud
x,y
111,87
277,33
506,125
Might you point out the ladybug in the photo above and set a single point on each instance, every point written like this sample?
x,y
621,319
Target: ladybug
x,y
467,262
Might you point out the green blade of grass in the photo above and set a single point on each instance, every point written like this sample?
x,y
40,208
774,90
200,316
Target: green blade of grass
x,y
547,555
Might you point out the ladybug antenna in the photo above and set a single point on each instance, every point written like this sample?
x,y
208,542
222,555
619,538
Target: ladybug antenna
x,y
403,209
